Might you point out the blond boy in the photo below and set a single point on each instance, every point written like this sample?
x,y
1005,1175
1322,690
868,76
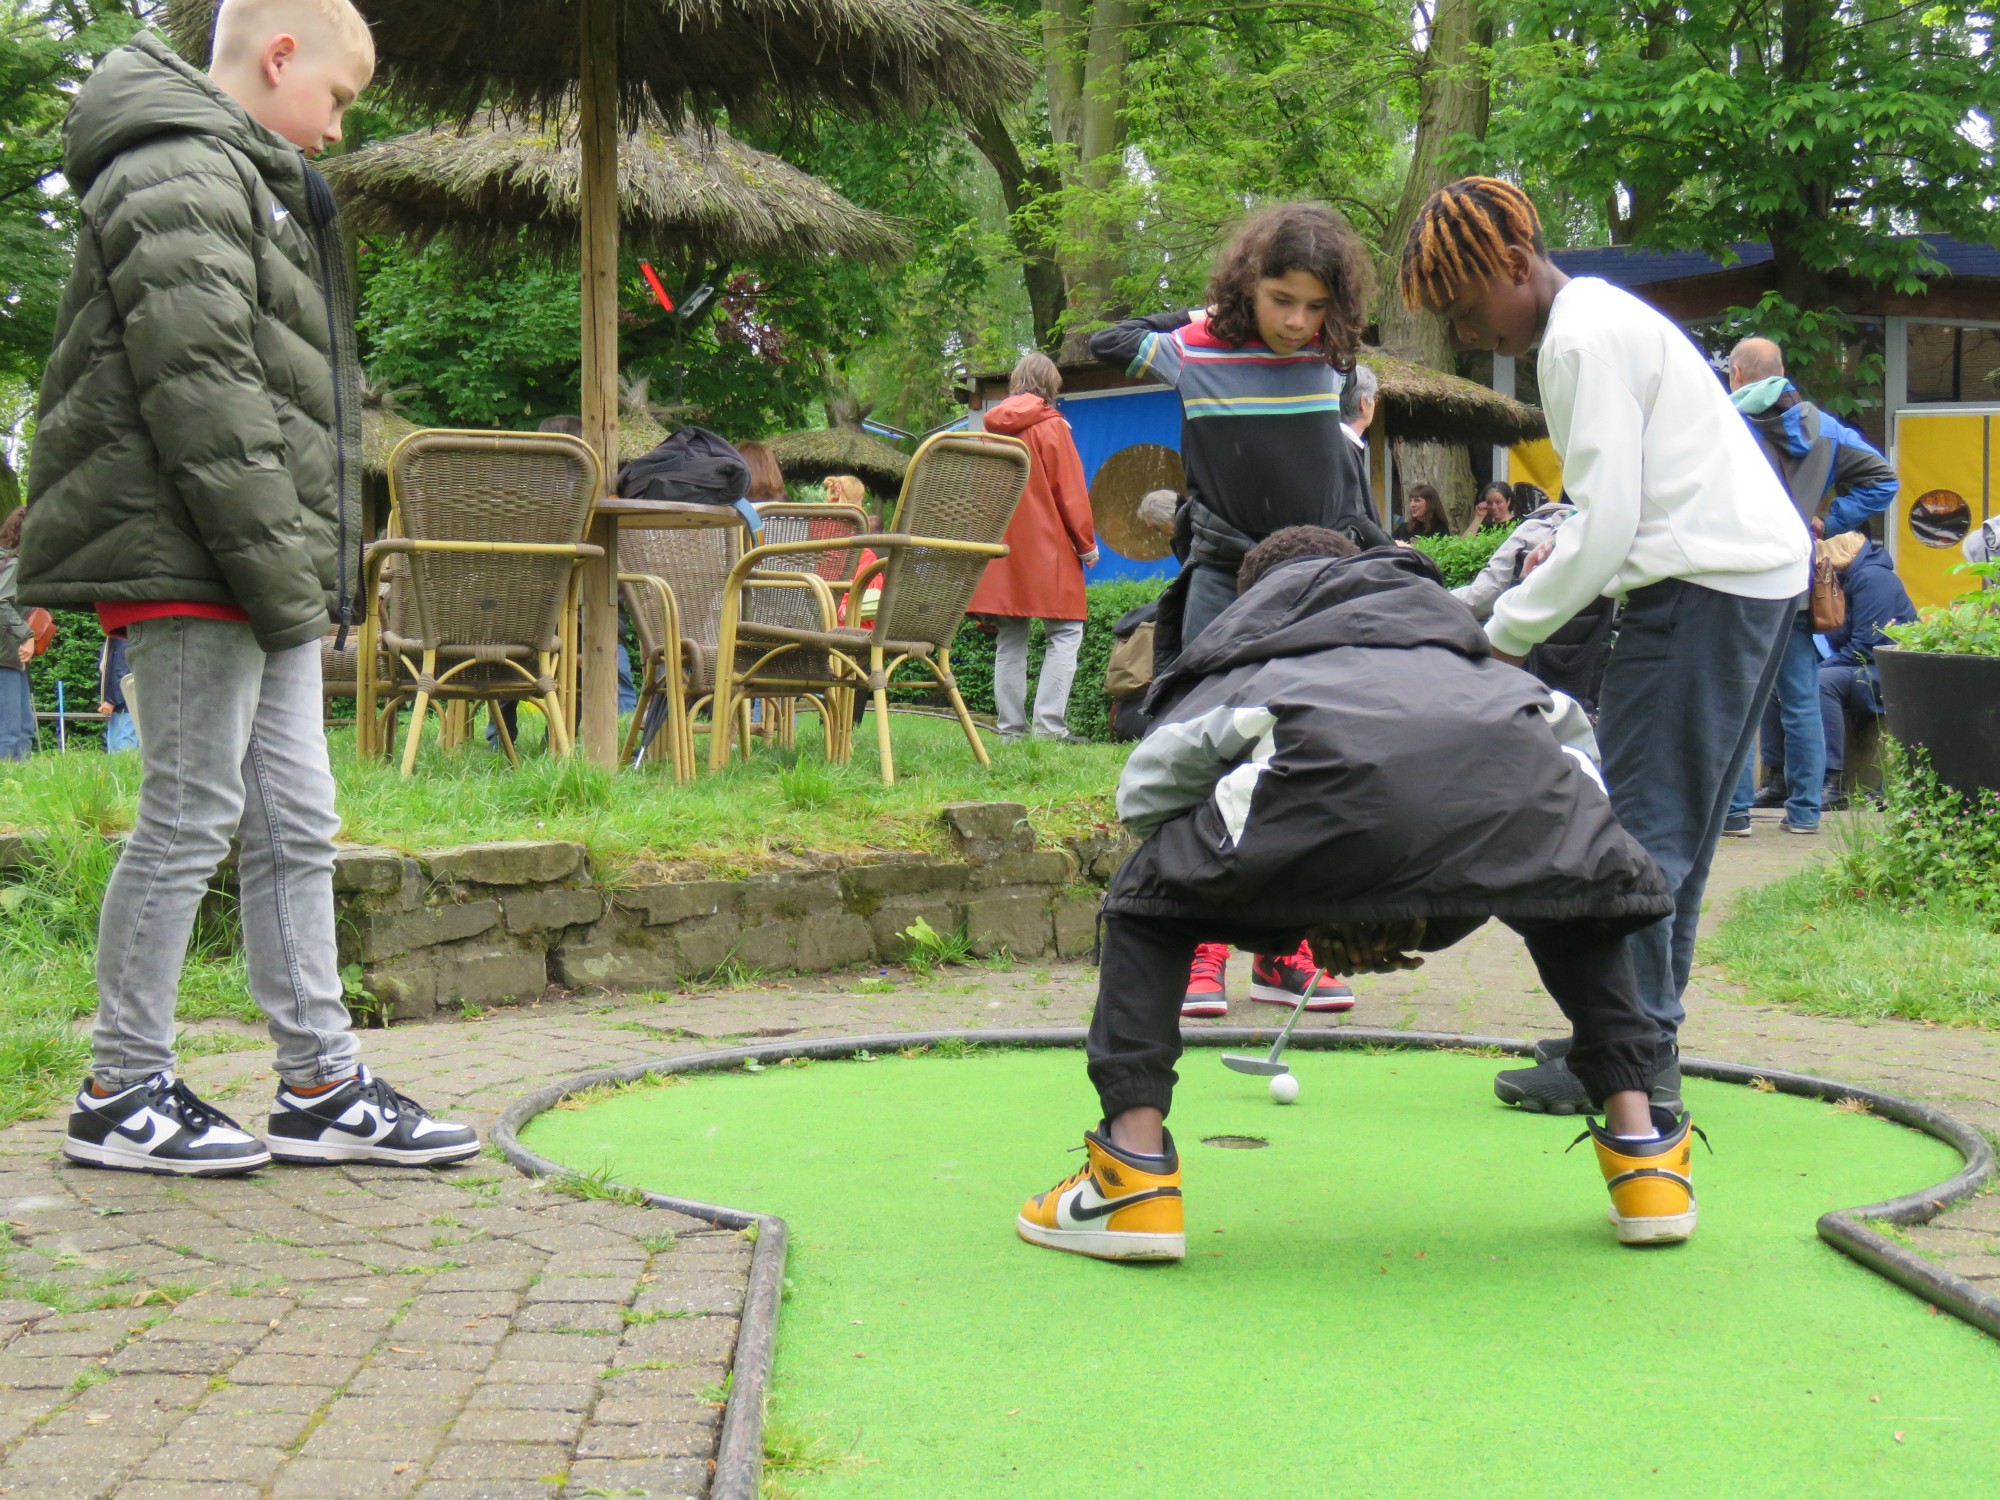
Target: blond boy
x,y
194,475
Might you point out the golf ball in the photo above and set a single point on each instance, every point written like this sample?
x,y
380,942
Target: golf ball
x,y
1284,1088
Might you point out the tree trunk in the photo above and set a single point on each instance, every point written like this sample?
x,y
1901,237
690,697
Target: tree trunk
x,y
1086,45
1100,164
1453,99
1023,188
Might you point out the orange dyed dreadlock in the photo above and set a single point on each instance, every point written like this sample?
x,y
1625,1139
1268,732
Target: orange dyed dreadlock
x,y
1461,235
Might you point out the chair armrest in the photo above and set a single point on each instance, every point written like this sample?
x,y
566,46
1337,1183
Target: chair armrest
x,y
582,551
669,606
829,611
887,543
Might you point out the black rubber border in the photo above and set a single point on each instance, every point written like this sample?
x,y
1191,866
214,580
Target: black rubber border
x,y
739,1457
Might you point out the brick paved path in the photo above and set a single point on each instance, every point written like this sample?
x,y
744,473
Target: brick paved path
x,y
469,1335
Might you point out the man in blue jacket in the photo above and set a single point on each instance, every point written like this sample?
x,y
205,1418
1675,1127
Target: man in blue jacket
x,y
1838,481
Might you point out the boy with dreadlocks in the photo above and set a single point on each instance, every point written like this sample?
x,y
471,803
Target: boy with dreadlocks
x,y
1677,513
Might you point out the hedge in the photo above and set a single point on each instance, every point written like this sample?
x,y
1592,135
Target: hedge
x,y
1089,710
1460,558
72,661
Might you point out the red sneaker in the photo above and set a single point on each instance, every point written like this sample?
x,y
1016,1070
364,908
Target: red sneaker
x,y
1283,981
1205,994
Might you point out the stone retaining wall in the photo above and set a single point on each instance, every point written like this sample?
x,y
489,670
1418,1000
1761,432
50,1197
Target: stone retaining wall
x,y
495,923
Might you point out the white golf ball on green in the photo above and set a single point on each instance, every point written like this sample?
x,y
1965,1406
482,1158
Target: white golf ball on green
x,y
1284,1088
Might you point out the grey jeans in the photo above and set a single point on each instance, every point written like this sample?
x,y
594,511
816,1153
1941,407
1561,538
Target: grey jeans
x,y
1010,676
1687,679
234,744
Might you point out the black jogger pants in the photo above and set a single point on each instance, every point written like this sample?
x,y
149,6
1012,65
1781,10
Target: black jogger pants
x,y
1135,1033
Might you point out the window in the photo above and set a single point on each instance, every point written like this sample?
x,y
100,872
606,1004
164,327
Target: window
x,y
1953,362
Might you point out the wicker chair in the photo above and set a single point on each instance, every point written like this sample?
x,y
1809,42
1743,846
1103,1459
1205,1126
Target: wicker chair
x,y
958,498
489,530
672,584
785,521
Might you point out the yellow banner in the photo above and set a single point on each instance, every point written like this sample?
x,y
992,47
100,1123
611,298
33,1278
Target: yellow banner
x,y
1945,462
1536,463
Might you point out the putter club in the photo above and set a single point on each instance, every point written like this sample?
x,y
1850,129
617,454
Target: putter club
x,y
1270,1066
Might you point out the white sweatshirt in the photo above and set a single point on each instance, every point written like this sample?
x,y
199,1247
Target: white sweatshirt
x,y
1668,482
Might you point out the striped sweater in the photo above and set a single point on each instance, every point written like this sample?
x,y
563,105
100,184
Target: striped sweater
x,y
1261,439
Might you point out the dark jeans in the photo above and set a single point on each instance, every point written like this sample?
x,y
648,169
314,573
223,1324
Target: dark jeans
x,y
1135,1034
1846,696
1791,732
17,715
1210,591
1691,670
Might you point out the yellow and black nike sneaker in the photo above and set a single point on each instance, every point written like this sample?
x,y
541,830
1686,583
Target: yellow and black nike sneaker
x,y
1651,1182
1114,1209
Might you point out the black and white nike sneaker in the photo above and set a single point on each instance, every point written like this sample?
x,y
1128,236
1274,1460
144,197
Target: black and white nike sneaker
x,y
364,1120
159,1126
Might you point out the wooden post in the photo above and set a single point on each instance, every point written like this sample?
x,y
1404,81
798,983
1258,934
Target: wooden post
x,y
598,124
1379,476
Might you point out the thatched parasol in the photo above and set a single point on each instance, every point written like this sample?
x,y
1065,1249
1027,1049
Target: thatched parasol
x,y
1423,405
623,58
808,457
746,56
690,189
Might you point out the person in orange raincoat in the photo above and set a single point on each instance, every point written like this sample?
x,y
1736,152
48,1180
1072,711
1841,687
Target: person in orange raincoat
x,y
1050,542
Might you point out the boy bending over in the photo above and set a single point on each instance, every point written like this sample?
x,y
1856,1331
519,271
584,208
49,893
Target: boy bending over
x,y
195,473
1290,789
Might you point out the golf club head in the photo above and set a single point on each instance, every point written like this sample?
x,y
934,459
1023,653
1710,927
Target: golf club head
x,y
1262,1067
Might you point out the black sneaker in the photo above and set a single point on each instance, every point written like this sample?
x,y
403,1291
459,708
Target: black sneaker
x,y
159,1126
1771,794
365,1120
1736,826
1833,797
1549,1088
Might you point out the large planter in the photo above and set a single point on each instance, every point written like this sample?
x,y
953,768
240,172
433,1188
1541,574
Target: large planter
x,y
1950,705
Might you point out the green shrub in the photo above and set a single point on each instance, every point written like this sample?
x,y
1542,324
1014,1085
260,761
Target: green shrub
x,y
1934,848
1460,558
72,660
1089,710
1968,626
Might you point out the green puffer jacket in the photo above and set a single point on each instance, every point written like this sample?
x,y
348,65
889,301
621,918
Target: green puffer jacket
x,y
200,429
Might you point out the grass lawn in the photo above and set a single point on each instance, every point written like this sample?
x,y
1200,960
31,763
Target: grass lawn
x,y
1355,1316
731,821
1809,941
739,820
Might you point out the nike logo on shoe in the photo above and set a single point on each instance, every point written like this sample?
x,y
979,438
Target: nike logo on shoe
x,y
1084,1210
146,1129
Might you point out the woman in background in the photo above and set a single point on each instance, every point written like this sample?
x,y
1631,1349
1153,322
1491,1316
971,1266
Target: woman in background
x,y
767,480
1050,541
1425,512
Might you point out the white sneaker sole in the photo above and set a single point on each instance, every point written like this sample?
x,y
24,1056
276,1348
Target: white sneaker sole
x,y
1103,1244
92,1155
1274,994
1662,1229
319,1153
1205,1008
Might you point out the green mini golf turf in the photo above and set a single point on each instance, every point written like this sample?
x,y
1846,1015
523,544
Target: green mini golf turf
x,y
1411,1292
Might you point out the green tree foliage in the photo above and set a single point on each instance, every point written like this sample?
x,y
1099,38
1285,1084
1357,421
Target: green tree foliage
x,y
47,48
466,346
1830,128
1156,129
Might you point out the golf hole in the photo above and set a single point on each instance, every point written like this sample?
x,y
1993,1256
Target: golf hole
x,y
1236,1142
